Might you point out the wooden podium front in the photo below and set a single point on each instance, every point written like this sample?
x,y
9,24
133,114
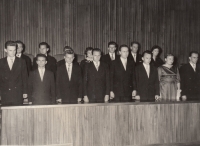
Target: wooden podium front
x,y
103,124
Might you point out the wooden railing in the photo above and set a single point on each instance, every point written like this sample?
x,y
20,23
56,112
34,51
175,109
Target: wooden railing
x,y
111,124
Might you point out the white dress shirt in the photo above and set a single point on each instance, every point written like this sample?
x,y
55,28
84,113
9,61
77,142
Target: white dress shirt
x,y
134,56
193,66
41,71
69,69
112,56
147,68
124,62
10,61
96,64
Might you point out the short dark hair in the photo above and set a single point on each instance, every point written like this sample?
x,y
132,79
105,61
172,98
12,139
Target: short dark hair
x,y
44,43
123,46
69,52
41,55
88,49
156,47
146,52
193,52
169,54
67,48
134,42
10,43
20,42
112,43
97,50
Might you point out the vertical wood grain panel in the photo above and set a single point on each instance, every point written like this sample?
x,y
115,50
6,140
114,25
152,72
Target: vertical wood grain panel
x,y
172,24
104,125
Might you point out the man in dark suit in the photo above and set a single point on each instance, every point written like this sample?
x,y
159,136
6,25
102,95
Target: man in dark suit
x,y
20,50
41,83
51,61
112,55
62,62
190,78
122,74
13,77
147,79
96,79
69,80
134,54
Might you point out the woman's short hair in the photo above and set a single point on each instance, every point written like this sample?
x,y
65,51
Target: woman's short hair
x,y
169,54
88,49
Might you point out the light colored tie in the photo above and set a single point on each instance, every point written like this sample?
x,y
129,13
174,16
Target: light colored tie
x,y
125,62
194,67
41,73
11,63
147,70
112,56
69,71
97,66
135,57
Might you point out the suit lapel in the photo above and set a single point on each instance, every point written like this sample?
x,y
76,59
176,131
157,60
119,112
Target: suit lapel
x,y
121,64
143,68
94,67
151,71
72,72
16,62
38,75
192,68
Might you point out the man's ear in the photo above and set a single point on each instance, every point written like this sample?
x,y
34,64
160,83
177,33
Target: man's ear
x,y
143,58
120,52
46,62
47,49
5,50
190,58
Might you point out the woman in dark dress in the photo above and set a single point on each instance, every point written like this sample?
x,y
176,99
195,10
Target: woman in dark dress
x,y
88,57
156,60
169,79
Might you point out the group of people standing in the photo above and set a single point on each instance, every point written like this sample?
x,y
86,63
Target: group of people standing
x,y
122,75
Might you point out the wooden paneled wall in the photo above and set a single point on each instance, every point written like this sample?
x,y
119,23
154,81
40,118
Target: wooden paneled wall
x,y
172,24
122,124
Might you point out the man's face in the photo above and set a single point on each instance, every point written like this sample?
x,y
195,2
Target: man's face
x,y
11,51
134,48
19,48
124,52
41,61
96,56
147,58
194,58
43,49
69,58
111,48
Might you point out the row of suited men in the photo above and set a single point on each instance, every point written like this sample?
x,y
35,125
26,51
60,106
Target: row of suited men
x,y
114,77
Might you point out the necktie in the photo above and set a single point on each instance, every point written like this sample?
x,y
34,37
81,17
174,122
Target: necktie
x,y
112,56
147,70
134,57
125,62
194,67
69,71
42,74
97,66
11,63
